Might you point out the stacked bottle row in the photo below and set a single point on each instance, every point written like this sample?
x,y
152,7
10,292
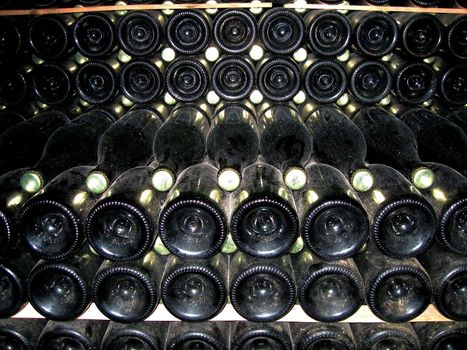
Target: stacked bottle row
x,y
256,65
94,335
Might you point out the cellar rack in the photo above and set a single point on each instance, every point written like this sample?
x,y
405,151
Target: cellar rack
x,y
364,314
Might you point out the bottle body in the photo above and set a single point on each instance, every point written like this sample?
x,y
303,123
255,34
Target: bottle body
x,y
143,335
210,335
379,335
248,335
321,335
278,78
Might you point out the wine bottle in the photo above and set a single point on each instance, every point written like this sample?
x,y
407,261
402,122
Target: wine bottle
x,y
334,223
125,145
188,335
396,290
421,34
96,81
42,3
233,78
325,80
375,33
452,82
187,79
456,42
52,84
323,336
139,33
439,140
79,334
128,292
15,266
188,32
192,223
248,335
425,3
457,116
264,222
278,78
385,336
122,225
195,290
141,81
369,80
282,31
49,38
20,334
180,142
143,335
13,38
22,145
234,31
338,142
285,142
448,273
414,82
261,290
442,335
329,32
10,118
233,142
14,86
328,291
62,291
73,144
94,35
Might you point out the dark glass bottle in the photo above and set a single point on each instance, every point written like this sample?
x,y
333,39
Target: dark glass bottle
x,y
233,142
9,118
248,336
122,226
180,142
328,291
396,290
22,145
192,223
452,83
414,82
52,84
234,31
321,336
128,292
20,334
15,266
233,78
385,336
195,290
94,35
457,116
141,81
442,335
49,38
202,336
278,78
421,34
325,80
140,34
439,140
329,32
96,81
338,142
285,142
369,80
456,40
80,334
73,144
403,223
42,3
125,145
375,33
12,39
448,273
261,290
188,32
187,79
333,222
14,86
62,291
425,3
143,336
281,30
264,222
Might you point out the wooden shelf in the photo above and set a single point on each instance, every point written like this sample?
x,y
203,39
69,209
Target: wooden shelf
x,y
363,315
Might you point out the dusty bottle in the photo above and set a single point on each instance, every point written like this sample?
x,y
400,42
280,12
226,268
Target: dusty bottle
x,y
442,335
141,81
385,336
94,34
49,38
278,78
323,336
20,334
246,335
203,336
142,335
